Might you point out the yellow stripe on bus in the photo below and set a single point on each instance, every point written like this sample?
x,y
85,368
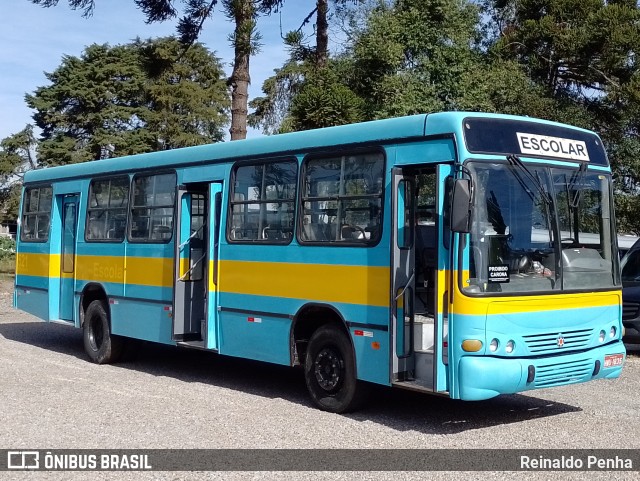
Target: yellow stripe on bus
x,y
513,304
518,304
149,271
212,286
41,265
319,282
144,271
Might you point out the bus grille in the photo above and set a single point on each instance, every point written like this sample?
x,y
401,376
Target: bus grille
x,y
541,343
563,373
630,310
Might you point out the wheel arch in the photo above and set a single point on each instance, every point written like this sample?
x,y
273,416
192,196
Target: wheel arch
x,y
309,318
93,292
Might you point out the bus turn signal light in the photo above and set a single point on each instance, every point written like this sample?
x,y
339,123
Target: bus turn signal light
x,y
471,345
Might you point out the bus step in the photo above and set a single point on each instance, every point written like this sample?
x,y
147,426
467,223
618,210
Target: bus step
x,y
416,385
63,321
423,351
195,345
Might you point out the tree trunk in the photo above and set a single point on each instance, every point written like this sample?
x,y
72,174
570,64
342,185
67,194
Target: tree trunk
x,y
244,15
322,33
239,97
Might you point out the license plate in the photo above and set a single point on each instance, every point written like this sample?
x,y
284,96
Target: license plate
x,y
613,360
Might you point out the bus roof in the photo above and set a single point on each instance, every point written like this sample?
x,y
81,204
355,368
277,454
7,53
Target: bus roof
x,y
383,131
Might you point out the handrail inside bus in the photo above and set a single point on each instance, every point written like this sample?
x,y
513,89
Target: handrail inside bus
x,y
190,270
195,232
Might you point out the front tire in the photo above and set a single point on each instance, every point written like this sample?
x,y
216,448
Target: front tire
x,y
330,371
101,346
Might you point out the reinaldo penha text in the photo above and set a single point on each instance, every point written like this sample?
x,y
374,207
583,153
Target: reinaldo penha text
x,y
594,463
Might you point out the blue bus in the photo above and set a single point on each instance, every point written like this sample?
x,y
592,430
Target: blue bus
x,y
463,254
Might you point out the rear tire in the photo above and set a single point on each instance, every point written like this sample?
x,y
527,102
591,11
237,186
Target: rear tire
x,y
330,371
101,346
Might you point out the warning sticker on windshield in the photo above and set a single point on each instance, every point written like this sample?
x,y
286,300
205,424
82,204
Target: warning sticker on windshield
x,y
498,273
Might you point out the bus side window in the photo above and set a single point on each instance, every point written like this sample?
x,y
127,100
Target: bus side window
x,y
152,209
107,209
263,196
342,198
36,214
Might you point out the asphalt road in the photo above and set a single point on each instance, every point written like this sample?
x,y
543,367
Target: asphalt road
x,y
51,397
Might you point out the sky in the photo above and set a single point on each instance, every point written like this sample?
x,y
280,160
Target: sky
x,y
34,39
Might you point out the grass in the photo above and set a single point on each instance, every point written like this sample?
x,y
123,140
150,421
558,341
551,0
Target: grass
x,y
8,266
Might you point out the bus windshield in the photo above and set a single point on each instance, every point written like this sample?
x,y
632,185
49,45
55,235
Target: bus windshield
x,y
539,228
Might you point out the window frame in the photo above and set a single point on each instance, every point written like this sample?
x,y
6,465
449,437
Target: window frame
x,y
35,214
89,209
64,257
301,197
232,203
132,206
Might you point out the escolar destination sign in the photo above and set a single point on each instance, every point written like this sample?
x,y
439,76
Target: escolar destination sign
x,y
535,139
543,145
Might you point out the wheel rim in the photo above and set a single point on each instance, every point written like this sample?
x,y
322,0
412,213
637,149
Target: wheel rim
x,y
96,333
329,369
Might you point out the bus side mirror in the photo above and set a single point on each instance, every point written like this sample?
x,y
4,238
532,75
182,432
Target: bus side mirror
x,y
461,206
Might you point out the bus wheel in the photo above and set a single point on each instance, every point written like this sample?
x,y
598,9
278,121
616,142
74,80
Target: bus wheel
x,y
330,371
101,346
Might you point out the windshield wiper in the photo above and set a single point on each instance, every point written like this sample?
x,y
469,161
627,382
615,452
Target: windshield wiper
x,y
576,178
515,160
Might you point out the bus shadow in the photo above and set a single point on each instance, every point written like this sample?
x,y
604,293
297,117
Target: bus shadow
x,y
397,409
50,336
428,414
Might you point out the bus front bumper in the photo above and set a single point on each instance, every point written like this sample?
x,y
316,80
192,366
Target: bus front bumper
x,y
482,377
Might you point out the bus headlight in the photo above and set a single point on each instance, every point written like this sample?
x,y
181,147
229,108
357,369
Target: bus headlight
x,y
493,346
509,347
612,332
601,338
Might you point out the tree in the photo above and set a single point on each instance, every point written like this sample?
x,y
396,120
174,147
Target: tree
x,y
245,41
194,14
140,97
323,101
322,94
407,56
17,155
583,53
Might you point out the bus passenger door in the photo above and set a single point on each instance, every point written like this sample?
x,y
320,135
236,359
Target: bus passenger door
x,y
443,281
215,215
421,263
190,262
432,284
68,256
403,276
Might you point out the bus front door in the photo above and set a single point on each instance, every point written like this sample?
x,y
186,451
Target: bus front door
x,y
403,277
68,256
420,289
